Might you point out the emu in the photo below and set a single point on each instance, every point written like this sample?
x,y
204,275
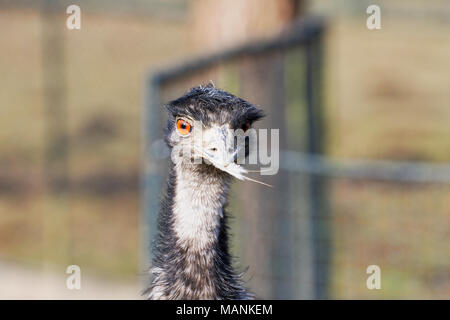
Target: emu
x,y
191,254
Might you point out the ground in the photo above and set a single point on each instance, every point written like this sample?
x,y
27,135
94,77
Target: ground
x,y
19,282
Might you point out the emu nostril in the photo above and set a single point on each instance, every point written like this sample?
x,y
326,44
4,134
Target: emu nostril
x,y
213,149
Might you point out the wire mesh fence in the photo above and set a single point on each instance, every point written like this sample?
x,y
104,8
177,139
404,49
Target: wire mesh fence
x,y
324,221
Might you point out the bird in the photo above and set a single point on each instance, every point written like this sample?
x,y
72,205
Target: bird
x,y
191,251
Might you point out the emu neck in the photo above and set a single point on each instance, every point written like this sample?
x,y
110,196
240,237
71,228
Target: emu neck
x,y
200,195
191,258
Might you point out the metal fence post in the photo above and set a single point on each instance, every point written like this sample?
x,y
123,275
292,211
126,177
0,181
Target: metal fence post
x,y
319,216
151,179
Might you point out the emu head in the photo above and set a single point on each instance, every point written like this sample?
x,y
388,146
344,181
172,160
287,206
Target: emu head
x,y
206,125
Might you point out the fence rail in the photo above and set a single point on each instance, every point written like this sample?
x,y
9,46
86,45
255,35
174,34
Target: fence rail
x,y
400,171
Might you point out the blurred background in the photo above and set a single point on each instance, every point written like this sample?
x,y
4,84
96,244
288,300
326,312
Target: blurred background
x,y
364,127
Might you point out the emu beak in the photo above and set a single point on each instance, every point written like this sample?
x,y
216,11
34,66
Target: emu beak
x,y
218,146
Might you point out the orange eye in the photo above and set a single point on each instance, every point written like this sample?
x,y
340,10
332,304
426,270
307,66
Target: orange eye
x,y
183,127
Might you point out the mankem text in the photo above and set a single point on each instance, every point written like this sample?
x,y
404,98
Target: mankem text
x,y
246,309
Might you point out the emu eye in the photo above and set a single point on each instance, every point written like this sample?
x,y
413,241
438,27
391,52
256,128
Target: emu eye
x,y
245,126
183,127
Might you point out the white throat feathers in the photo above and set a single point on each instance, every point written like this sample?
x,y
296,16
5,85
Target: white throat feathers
x,y
200,196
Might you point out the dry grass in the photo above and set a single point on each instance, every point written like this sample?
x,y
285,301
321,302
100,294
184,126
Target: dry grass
x,y
387,98
389,95
95,225
400,228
